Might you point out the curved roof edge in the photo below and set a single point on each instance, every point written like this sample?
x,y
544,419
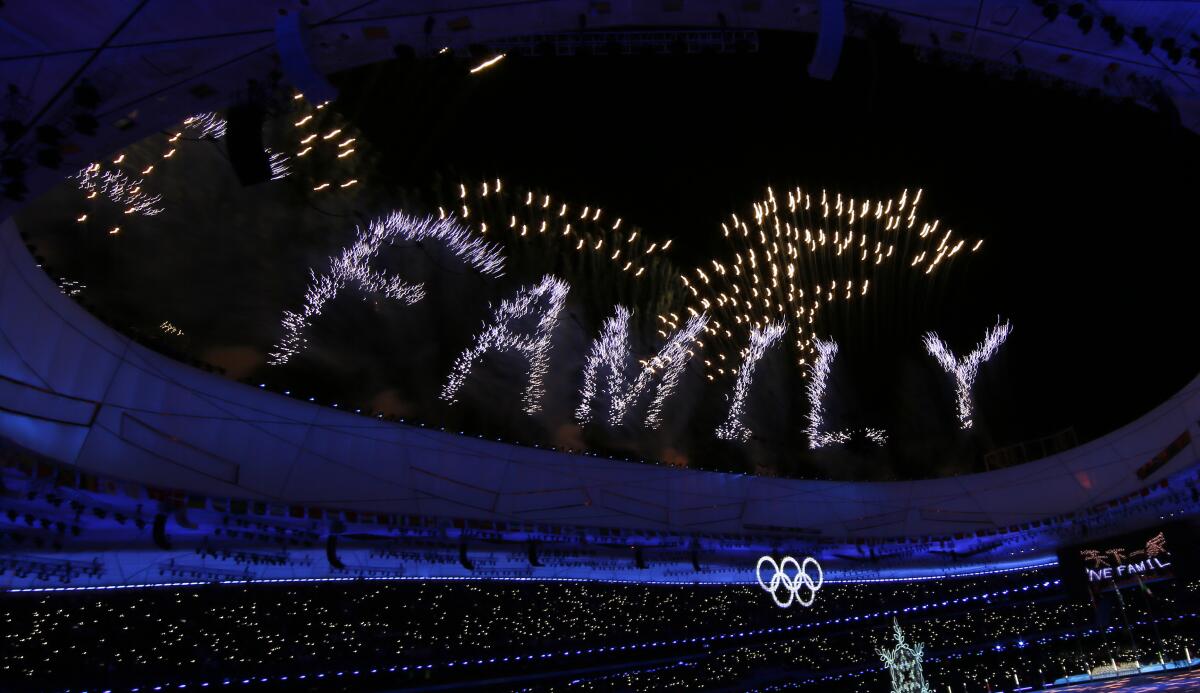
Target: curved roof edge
x,y
154,64
73,389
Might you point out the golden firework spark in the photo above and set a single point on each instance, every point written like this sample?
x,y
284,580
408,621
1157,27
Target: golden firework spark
x,y
792,256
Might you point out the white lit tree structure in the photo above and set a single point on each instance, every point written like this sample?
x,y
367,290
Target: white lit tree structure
x,y
904,661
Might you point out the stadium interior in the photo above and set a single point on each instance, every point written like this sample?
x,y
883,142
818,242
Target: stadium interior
x,y
554,345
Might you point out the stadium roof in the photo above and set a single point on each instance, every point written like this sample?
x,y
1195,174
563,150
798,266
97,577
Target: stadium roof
x,y
155,63
73,389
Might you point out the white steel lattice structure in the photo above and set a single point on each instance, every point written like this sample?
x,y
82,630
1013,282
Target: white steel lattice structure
x,y
904,663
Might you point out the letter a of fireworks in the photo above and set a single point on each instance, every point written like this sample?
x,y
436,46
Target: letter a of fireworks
x,y
611,352
965,370
761,339
500,335
353,266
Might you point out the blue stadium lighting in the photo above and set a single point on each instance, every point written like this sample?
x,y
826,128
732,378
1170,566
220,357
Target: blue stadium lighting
x,y
981,651
706,638
832,677
409,551
485,579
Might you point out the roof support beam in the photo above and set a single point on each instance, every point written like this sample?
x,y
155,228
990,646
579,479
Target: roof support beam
x,y
829,39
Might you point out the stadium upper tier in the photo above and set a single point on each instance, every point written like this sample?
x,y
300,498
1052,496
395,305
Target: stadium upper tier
x,y
74,390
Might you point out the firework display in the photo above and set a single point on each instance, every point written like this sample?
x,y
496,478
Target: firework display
x,y
128,191
761,339
327,145
791,258
537,219
353,266
817,438
280,164
544,300
611,353
324,142
833,246
119,187
209,125
966,369
789,261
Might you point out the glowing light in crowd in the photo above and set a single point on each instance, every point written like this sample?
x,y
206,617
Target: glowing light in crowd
x,y
761,339
826,352
964,370
611,352
792,584
120,188
353,266
544,300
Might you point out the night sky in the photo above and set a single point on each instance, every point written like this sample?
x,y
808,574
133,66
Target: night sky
x,y
1084,204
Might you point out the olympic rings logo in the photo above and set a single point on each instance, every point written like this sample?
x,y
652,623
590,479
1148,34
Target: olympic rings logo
x,y
792,583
